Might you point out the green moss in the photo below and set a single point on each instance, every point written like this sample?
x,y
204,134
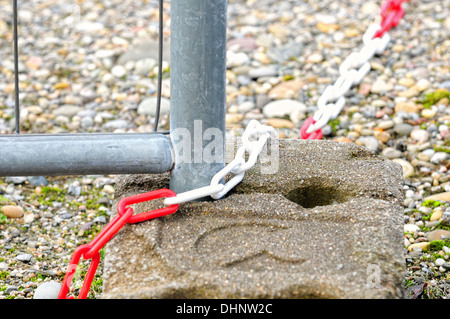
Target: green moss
x,y
437,245
442,149
3,218
3,275
334,124
432,203
433,97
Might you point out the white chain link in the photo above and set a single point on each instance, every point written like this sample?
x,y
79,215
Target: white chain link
x,y
238,166
349,77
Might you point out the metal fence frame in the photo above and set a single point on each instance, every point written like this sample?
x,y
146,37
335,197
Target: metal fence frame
x,y
198,66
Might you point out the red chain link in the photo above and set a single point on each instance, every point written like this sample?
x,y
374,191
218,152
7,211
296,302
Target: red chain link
x,y
316,135
391,14
92,250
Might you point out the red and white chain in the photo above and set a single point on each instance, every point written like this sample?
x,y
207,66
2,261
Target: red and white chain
x,y
354,68
125,213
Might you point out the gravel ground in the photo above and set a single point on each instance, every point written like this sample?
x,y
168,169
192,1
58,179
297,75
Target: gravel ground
x,y
90,66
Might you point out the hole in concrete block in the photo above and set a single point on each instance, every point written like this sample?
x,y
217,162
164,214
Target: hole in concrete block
x,y
313,195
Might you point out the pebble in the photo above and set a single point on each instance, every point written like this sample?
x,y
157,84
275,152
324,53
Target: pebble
x,y
406,107
28,218
385,125
428,113
47,290
419,135
408,169
118,71
411,228
380,86
148,106
439,157
391,153
437,214
265,71
369,142
444,197
12,211
422,246
283,107
438,234
280,123
67,110
403,129
24,258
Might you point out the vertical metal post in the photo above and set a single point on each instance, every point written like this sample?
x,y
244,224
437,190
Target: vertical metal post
x,y
197,71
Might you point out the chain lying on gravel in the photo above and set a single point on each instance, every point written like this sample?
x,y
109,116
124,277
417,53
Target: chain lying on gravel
x,y
354,68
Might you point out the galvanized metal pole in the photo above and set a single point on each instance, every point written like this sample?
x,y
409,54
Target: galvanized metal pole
x,y
83,154
197,72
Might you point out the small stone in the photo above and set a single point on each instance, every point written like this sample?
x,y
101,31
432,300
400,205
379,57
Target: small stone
x,y
385,125
383,137
315,58
108,189
37,180
411,92
235,118
47,290
369,142
406,242
436,215
429,113
408,169
16,179
403,129
342,139
237,59
439,157
67,110
28,218
100,219
438,234
439,261
10,289
24,258
411,228
407,107
380,86
443,197
265,71
408,82
419,135
326,27
423,84
422,245
12,211
118,71
391,153
144,66
280,123
246,106
283,107
61,85
286,90
148,106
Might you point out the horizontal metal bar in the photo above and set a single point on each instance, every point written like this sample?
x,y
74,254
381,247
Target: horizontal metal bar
x,y
84,154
